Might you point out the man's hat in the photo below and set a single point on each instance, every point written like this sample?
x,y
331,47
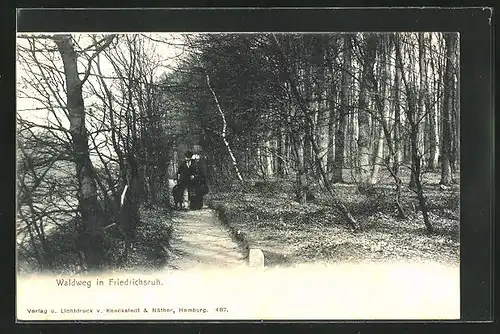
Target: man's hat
x,y
188,154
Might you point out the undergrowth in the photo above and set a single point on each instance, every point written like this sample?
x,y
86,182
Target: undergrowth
x,y
61,251
272,220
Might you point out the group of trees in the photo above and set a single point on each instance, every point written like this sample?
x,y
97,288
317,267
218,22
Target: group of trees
x,y
105,119
91,139
326,108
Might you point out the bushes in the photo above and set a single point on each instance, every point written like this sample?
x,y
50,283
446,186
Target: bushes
x,y
60,251
153,240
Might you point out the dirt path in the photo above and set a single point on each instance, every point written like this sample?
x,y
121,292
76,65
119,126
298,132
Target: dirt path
x,y
199,240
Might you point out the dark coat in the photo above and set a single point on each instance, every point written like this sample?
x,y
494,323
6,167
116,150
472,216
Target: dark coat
x,y
186,174
192,176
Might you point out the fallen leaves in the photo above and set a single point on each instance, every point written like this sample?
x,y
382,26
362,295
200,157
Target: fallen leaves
x,y
314,231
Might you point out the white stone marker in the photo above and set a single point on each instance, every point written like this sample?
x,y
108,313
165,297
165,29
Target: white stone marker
x,y
256,258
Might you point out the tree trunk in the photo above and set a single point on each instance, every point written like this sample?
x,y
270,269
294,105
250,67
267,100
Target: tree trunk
x,y
301,184
420,110
436,111
423,100
268,157
397,159
322,112
323,136
456,113
223,132
433,135
353,140
330,158
384,112
455,127
280,162
397,156
363,115
412,115
89,206
309,131
340,136
450,40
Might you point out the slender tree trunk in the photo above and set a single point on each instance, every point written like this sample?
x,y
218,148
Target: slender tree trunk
x,y
425,104
340,136
300,176
457,113
353,135
268,157
397,120
379,158
450,40
437,70
89,206
397,156
420,110
330,159
433,135
363,115
384,113
418,183
455,126
280,143
323,136
223,132
412,114
322,112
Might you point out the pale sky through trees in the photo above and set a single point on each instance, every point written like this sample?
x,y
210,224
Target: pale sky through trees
x,y
43,109
162,51
164,47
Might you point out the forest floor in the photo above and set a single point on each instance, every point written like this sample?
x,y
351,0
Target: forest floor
x,y
267,217
290,233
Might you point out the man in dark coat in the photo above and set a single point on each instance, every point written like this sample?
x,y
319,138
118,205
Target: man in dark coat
x,y
191,178
198,184
185,177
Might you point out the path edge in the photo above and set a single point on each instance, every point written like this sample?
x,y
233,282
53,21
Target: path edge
x,y
240,237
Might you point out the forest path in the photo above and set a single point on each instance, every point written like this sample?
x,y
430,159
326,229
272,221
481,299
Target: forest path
x,y
199,240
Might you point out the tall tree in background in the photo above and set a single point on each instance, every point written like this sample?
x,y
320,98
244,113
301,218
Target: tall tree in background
x,y
344,109
396,155
370,47
414,118
381,96
446,142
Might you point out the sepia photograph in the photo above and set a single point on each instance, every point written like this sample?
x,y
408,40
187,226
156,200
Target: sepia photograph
x,y
238,176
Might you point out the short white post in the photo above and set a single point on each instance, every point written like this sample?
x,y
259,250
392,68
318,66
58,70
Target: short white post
x,y
256,258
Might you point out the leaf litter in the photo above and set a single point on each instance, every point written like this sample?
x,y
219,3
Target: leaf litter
x,y
316,232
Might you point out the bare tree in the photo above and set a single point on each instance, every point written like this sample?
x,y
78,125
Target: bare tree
x,y
223,132
89,205
451,44
363,119
344,110
414,117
